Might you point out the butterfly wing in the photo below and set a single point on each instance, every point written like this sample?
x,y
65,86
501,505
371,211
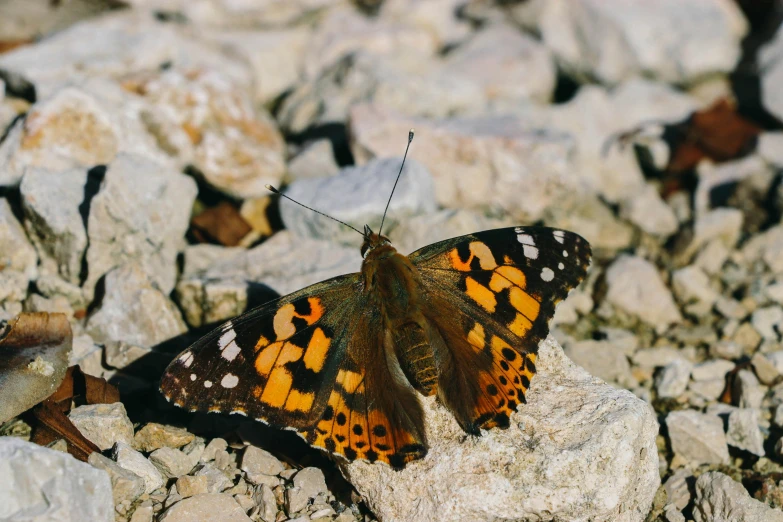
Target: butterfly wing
x,y
312,361
500,288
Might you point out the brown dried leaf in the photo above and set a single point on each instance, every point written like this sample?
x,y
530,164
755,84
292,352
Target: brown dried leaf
x,y
222,224
94,390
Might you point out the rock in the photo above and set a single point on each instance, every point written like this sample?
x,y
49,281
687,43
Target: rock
x,y
308,483
126,486
103,424
172,463
743,431
589,217
205,120
635,287
766,246
441,18
718,497
34,353
217,480
768,322
727,349
750,171
765,369
746,337
51,202
216,507
697,437
134,311
610,464
509,66
140,214
769,147
724,224
212,448
655,357
267,502
475,162
770,61
602,359
692,288
50,485
677,491
709,389
17,256
143,512
188,486
649,212
612,41
256,461
315,160
712,369
355,196
748,390
130,459
730,308
283,263
153,436
712,257
76,127
673,514
672,380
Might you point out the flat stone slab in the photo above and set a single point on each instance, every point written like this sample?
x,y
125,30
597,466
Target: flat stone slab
x,y
578,450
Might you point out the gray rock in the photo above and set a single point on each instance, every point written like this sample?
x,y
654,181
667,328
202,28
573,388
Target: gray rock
x,y
153,436
126,486
17,257
766,246
256,461
602,359
722,224
43,484
712,258
697,437
743,431
217,480
673,378
51,203
649,212
712,369
592,219
727,349
673,514
692,288
610,41
143,513
635,287
315,160
656,357
770,58
356,197
267,502
308,483
768,322
748,390
765,369
718,497
172,463
770,147
134,311
212,448
103,424
215,507
140,214
710,389
188,485
521,472
676,486
130,459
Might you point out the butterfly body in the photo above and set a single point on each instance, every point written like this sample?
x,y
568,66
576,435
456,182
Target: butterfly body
x,y
343,362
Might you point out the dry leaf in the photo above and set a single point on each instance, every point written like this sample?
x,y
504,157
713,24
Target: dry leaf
x,y
222,224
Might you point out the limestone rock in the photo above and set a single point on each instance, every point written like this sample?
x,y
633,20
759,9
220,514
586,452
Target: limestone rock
x,y
126,485
601,359
256,461
51,484
172,463
574,434
718,497
697,437
17,257
217,507
130,459
153,436
743,431
649,212
308,483
103,424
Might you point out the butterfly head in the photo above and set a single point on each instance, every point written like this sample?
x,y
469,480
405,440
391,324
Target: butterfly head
x,y
373,241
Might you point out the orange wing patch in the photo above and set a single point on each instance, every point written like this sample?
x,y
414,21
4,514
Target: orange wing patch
x,y
478,250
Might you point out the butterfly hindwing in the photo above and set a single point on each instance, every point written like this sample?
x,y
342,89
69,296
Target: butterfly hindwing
x,y
503,286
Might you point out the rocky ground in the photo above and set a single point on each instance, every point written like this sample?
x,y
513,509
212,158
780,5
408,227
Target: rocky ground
x,y
138,137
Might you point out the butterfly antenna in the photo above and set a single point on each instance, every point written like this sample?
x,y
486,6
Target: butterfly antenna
x,y
273,189
410,139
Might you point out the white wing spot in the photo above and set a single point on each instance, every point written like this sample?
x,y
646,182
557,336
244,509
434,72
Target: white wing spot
x,y
565,253
207,384
531,252
192,376
559,236
228,325
547,274
186,359
227,338
526,239
228,345
560,266
229,380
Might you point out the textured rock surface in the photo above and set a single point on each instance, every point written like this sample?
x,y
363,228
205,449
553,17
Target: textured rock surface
x,y
221,508
578,449
44,484
697,437
103,424
718,497
18,255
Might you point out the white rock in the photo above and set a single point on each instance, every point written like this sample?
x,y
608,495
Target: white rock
x,y
44,484
768,322
748,390
776,358
765,369
770,62
655,357
130,459
17,257
133,311
315,160
510,66
697,437
615,40
767,247
770,147
308,483
172,463
713,369
601,359
743,431
439,17
475,162
650,213
635,287
692,288
676,486
284,263
575,434
718,497
724,176
673,378
217,507
140,214
591,218
51,202
126,486
103,424
708,389
257,461
358,196
724,224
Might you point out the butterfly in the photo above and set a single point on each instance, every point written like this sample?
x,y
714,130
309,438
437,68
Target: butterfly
x,y
342,362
